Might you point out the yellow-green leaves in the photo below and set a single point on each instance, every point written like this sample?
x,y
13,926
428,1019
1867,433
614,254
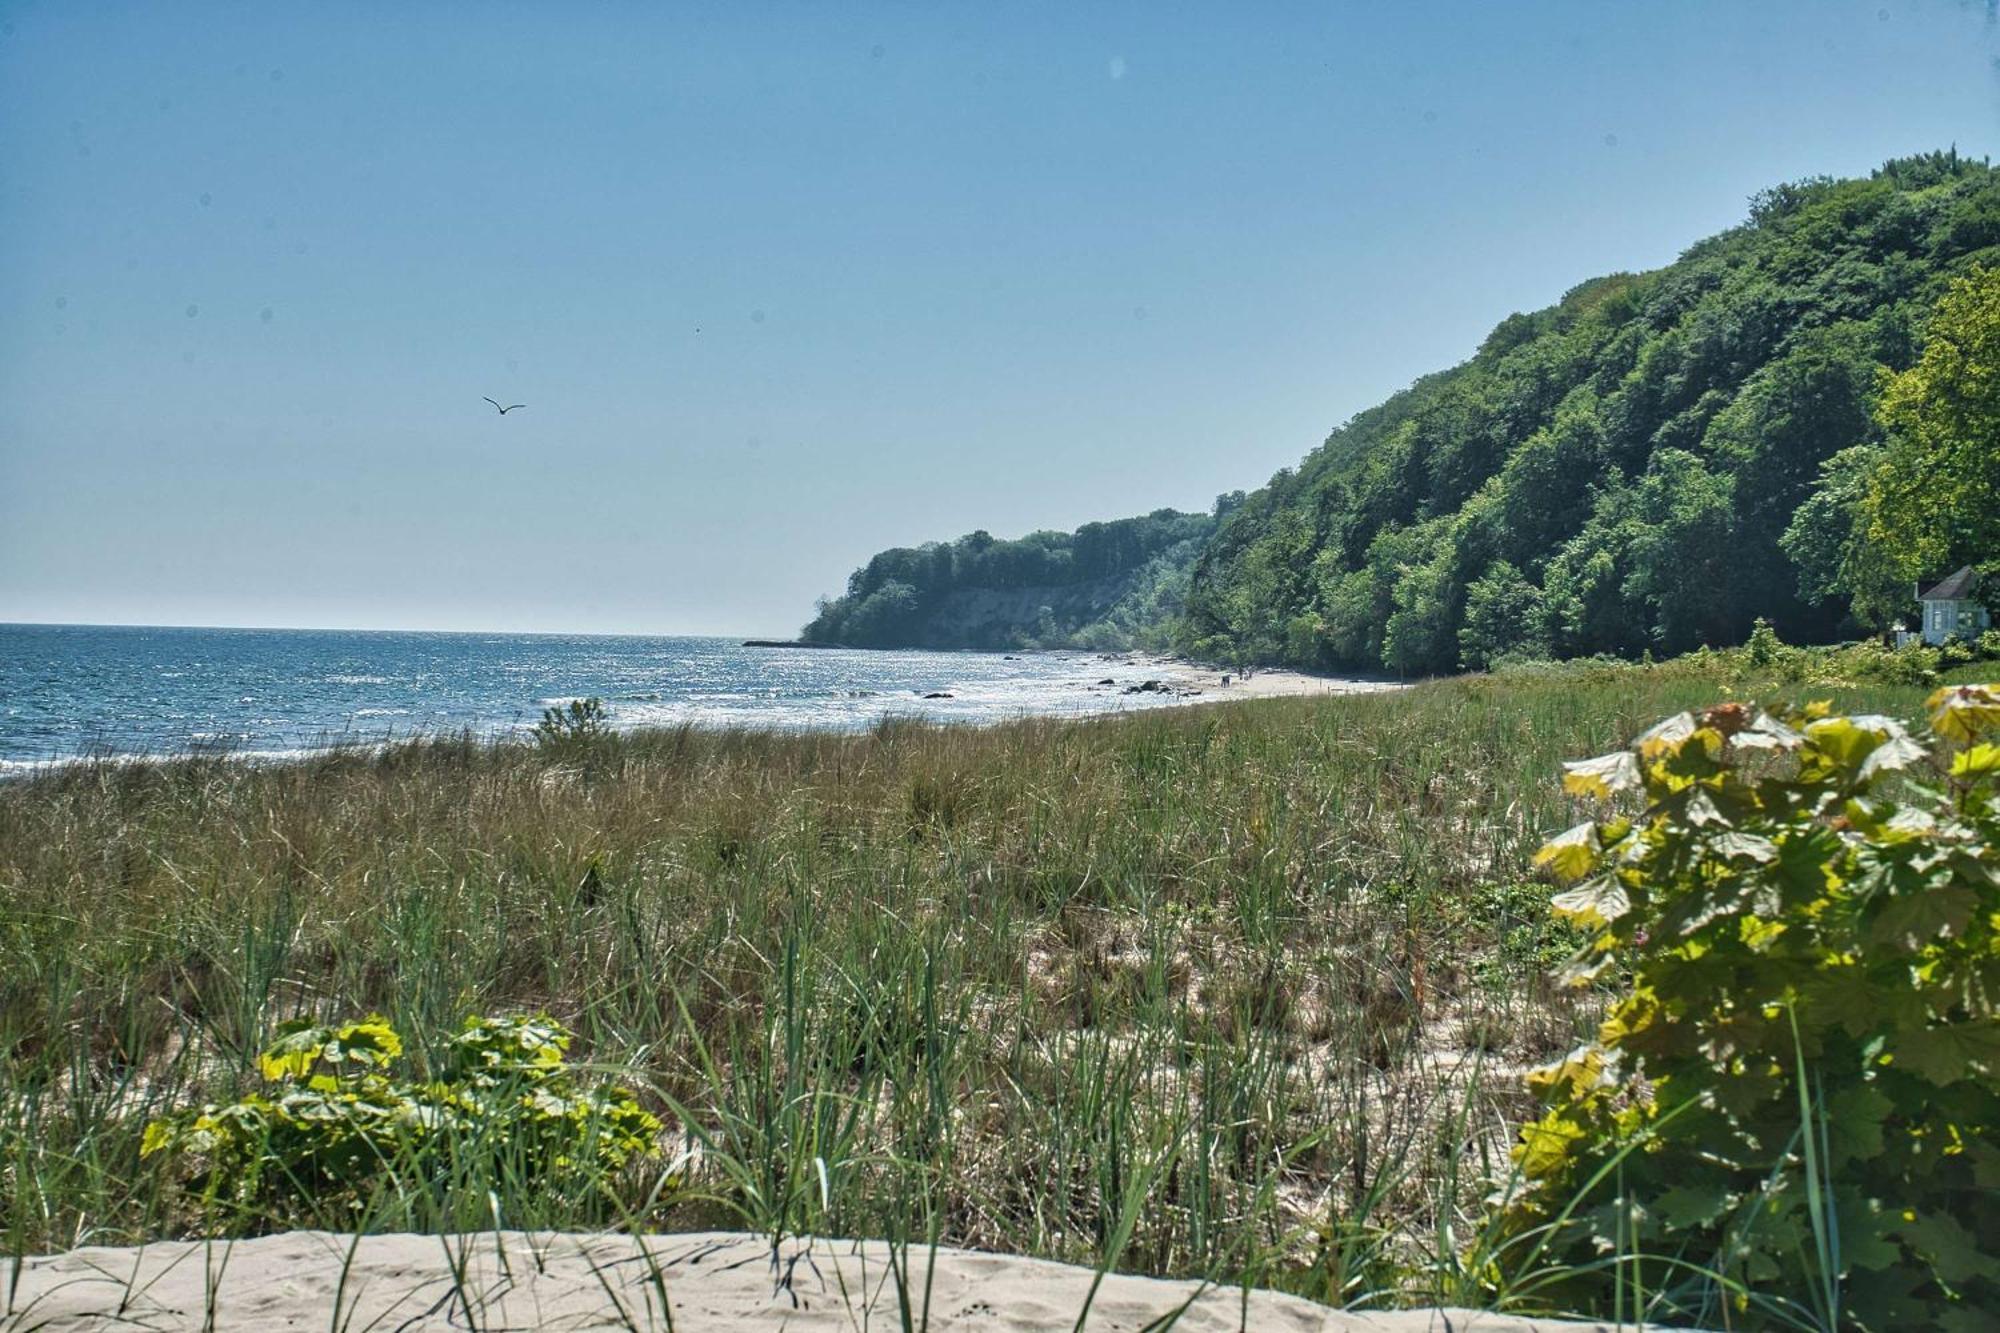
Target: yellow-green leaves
x,y
1664,736
1976,761
1572,853
1813,950
1767,733
1737,846
1582,1070
1546,1145
337,1121
1604,777
1964,713
1597,901
158,1137
1863,746
300,1046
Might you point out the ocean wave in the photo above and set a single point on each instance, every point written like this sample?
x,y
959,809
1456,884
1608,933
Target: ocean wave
x,y
24,768
355,680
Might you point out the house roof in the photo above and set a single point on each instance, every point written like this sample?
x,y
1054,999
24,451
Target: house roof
x,y
1954,588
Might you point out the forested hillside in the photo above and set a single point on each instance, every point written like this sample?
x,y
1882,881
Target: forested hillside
x,y
1108,585
1795,420
1659,458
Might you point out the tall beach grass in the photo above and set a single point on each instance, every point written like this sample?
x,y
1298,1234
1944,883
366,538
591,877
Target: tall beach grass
x,y
1240,991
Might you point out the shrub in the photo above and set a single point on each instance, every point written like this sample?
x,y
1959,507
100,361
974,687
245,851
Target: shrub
x,y
1764,647
1792,1112
583,720
334,1125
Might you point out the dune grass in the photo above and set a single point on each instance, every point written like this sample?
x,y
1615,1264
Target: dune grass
x,y
1240,991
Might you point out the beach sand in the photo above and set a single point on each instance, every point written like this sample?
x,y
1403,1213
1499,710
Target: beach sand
x,y
715,1283
1185,679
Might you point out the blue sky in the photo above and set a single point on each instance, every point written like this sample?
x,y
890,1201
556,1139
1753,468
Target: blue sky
x,y
782,284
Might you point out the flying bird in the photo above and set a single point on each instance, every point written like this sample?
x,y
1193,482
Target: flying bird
x,y
504,410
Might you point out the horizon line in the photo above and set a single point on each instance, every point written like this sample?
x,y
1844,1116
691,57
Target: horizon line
x,y
371,629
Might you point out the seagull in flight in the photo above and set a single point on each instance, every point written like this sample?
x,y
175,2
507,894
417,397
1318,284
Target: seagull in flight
x,y
504,410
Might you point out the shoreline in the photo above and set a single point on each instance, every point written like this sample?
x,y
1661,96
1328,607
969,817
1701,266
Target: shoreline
x,y
1261,683
1108,684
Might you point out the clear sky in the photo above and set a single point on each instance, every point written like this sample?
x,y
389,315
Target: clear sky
x,y
782,284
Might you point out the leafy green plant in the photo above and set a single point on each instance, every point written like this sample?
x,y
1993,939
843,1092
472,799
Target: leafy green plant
x,y
581,720
333,1124
1764,648
1792,1116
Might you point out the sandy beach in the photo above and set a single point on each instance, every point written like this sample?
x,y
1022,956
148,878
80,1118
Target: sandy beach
x,y
1193,683
711,1283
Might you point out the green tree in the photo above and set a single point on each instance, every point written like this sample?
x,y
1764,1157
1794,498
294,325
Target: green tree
x,y
1685,555
1829,543
1502,615
1935,502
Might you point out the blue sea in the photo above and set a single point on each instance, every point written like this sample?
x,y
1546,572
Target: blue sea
x,y
69,690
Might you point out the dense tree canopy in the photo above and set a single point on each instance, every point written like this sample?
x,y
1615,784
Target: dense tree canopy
x,y
1659,459
1106,584
1934,502
1792,421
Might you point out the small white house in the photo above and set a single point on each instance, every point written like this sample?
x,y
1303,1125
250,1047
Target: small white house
x,y
1952,609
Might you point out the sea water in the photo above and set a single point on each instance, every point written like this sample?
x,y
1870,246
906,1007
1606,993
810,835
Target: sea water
x,y
70,690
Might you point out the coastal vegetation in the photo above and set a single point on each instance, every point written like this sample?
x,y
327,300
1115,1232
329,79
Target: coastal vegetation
x,y
1106,585
1793,422
1797,1088
1245,991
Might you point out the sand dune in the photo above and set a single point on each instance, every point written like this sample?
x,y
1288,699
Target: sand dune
x,y
716,1283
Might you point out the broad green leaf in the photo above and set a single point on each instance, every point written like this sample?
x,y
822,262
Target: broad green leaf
x,y
1665,735
1744,847
1581,1071
296,1049
1947,1054
1956,1254
1985,1164
1767,733
1981,759
1571,853
371,1042
1840,996
1688,1206
1892,755
1703,812
1583,967
1867,1234
1599,900
1854,1117
1914,918
1964,712
1603,777
1545,1145
1848,741
159,1134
